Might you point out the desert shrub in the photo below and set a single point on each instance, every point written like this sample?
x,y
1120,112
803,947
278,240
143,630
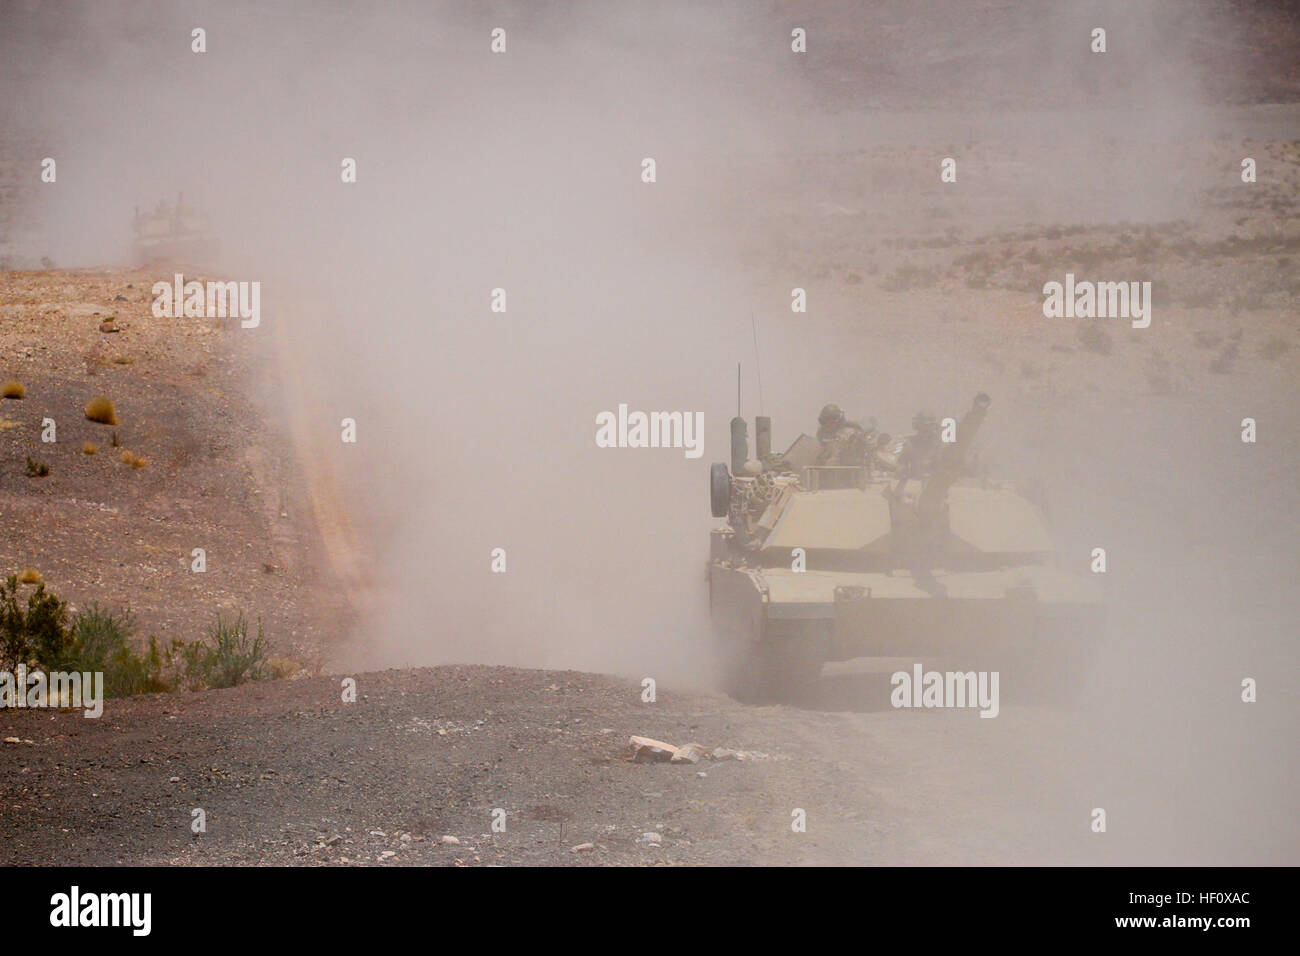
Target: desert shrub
x,y
12,389
228,657
283,668
29,576
38,632
188,661
89,448
101,641
35,631
36,469
98,640
135,461
100,409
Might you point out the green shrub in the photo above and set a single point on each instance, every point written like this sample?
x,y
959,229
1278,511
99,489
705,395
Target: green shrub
x,y
190,662
101,641
97,640
36,632
229,656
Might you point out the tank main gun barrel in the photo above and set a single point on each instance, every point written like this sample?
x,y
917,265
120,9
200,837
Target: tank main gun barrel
x,y
952,460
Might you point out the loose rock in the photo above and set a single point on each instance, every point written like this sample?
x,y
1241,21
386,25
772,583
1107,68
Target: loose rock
x,y
647,749
688,753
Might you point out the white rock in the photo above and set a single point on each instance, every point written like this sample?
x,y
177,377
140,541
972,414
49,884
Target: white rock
x,y
649,749
688,753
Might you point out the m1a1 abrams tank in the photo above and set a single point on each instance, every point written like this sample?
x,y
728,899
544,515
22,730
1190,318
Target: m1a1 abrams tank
x,y
829,563
178,233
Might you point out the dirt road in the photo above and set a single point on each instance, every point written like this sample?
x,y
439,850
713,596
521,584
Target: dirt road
x,y
288,774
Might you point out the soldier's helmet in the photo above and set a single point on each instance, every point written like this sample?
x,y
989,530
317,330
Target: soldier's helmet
x,y
831,415
924,421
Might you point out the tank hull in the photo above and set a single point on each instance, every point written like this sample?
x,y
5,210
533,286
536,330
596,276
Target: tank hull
x,y
1024,619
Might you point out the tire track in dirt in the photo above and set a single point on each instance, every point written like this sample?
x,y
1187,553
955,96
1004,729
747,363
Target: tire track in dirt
x,y
345,552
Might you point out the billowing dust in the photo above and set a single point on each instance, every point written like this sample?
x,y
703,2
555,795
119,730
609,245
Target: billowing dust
x,y
522,171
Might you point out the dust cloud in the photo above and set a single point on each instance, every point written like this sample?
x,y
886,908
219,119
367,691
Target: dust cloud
x,y
523,172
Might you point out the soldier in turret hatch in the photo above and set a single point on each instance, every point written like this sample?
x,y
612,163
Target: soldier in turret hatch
x,y
843,442
920,452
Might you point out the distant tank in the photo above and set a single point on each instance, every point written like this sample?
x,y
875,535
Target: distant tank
x,y
178,233
829,563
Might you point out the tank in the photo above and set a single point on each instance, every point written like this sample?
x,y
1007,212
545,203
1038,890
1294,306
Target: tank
x,y
177,233
829,563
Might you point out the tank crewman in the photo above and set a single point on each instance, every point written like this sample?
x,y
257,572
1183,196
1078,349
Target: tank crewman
x,y
884,452
843,442
920,452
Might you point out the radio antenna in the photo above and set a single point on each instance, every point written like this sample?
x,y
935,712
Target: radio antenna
x,y
758,365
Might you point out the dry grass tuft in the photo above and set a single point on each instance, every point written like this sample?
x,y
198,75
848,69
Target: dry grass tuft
x,y
135,461
89,448
283,668
30,576
12,389
100,409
